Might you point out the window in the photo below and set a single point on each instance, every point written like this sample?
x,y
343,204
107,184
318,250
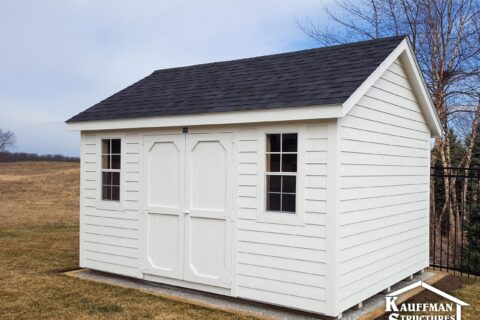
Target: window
x,y
111,153
281,172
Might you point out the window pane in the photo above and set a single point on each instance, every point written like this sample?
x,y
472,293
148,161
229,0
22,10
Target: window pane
x,y
106,193
273,163
289,142
289,163
116,146
288,202
105,146
289,184
106,162
115,193
115,162
115,178
273,201
273,143
106,178
274,183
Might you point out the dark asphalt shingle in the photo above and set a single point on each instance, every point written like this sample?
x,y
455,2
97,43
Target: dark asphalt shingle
x,y
319,76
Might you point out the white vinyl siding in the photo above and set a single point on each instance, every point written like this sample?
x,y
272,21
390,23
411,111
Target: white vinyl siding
x,y
378,175
110,236
272,258
280,263
383,189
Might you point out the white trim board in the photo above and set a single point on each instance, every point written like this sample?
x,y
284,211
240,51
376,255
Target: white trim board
x,y
233,117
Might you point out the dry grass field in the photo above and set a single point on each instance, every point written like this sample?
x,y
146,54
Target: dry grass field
x,y
39,193
39,240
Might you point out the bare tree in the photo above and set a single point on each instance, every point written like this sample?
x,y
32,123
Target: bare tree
x,y
7,140
445,35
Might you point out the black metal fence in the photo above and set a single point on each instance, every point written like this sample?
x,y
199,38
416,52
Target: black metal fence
x,y
455,220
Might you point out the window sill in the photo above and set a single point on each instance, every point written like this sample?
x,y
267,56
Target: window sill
x,y
293,219
109,205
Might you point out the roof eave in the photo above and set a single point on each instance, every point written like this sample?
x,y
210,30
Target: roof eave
x,y
415,74
315,112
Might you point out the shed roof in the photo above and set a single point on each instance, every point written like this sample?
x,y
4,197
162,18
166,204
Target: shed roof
x,y
322,76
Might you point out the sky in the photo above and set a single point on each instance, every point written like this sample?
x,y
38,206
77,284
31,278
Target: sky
x,y
58,58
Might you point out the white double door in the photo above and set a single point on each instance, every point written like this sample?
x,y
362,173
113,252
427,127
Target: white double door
x,y
187,207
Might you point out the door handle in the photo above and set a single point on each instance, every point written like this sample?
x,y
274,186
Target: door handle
x,y
187,212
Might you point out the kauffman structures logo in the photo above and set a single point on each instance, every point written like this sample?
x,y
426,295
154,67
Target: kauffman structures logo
x,y
450,310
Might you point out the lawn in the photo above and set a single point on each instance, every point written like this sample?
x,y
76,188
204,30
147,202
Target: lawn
x,y
470,293
39,240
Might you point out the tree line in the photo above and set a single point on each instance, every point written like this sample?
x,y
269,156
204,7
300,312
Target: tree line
x,y
6,156
8,140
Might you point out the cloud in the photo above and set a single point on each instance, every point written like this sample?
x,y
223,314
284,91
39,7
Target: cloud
x,y
59,57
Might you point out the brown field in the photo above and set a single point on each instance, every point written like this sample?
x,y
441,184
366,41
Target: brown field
x,y
39,193
39,239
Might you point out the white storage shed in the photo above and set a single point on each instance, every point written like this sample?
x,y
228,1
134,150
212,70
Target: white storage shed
x,y
298,179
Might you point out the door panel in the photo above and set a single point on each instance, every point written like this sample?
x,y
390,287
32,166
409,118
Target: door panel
x,y
207,257
208,181
163,221
208,206
163,229
164,167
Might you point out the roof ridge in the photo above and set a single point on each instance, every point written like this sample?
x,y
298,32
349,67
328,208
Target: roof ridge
x,y
281,54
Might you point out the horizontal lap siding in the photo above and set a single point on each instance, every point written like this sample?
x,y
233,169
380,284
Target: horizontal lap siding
x,y
383,189
279,263
110,237
89,162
